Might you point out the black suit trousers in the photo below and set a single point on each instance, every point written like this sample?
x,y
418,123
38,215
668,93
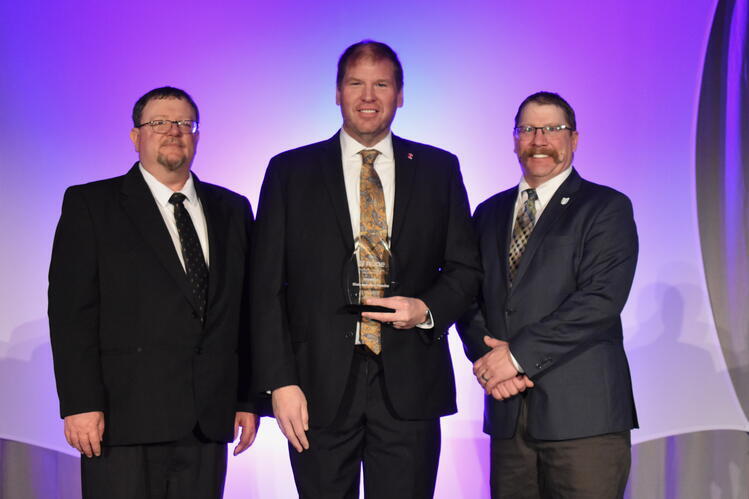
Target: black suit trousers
x,y
399,457
190,468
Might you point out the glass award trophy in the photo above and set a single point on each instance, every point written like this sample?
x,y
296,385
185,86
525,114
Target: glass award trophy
x,y
368,273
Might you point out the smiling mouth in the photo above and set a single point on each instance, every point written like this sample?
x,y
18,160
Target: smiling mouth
x,y
541,153
368,111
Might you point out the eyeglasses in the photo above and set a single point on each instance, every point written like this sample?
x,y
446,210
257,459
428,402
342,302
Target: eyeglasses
x,y
525,131
163,126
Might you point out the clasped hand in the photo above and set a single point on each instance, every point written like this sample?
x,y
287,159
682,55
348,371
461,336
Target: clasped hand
x,y
496,373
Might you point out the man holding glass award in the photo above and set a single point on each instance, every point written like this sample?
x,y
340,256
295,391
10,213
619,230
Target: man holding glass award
x,y
363,257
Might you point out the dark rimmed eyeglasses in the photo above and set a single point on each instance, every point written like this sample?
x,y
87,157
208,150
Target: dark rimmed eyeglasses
x,y
163,126
525,131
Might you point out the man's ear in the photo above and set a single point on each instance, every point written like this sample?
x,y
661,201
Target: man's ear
x,y
134,134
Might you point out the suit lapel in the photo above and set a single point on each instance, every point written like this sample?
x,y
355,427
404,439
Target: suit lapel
x,y
217,221
405,168
551,213
332,175
139,205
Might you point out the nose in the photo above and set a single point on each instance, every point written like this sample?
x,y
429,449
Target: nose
x,y
539,137
368,93
174,129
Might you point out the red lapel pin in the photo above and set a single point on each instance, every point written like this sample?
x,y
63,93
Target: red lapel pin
x,y
410,155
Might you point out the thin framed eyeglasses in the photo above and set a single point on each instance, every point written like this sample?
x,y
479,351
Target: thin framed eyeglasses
x,y
163,126
526,131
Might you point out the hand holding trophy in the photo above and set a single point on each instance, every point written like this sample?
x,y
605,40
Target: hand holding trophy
x,y
368,273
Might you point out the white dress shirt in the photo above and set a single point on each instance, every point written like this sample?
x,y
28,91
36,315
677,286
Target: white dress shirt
x,y
384,166
161,195
544,192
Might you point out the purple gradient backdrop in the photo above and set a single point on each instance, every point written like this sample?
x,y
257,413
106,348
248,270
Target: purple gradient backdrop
x,y
263,75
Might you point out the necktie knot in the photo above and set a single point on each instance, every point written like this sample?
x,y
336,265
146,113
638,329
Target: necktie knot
x,y
368,156
531,194
177,198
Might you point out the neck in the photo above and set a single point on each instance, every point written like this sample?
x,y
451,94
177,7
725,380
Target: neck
x,y
535,182
174,179
367,140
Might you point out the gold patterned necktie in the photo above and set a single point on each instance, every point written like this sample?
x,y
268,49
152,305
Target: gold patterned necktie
x,y
373,236
521,232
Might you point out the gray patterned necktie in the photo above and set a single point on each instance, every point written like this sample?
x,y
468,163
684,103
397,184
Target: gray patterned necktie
x,y
521,232
192,253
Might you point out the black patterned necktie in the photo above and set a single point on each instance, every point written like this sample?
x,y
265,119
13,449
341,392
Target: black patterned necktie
x,y
192,253
521,232
373,234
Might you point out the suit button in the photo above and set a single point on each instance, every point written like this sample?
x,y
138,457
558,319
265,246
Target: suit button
x,y
510,311
139,349
544,362
348,334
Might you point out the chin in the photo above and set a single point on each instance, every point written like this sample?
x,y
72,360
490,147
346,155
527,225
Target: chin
x,y
172,164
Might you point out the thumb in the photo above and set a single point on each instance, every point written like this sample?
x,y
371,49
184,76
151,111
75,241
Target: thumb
x,y
491,342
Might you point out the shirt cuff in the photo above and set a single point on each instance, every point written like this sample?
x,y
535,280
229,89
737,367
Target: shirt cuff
x,y
427,324
515,363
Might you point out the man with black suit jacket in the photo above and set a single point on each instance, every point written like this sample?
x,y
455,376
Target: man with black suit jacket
x,y
148,312
347,390
559,256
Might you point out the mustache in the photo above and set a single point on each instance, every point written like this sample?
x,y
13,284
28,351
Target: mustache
x,y
552,153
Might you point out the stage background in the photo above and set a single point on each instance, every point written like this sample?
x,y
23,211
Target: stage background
x,y
263,75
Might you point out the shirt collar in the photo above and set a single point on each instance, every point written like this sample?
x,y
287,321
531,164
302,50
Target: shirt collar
x,y
546,190
350,147
162,193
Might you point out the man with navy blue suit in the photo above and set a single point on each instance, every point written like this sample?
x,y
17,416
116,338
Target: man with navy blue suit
x,y
545,335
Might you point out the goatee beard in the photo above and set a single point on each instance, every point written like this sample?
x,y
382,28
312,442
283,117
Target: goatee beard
x,y
171,164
